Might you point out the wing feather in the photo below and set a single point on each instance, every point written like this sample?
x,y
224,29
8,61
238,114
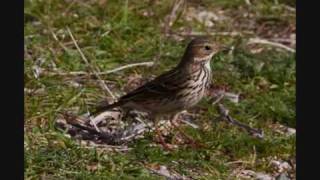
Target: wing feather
x,y
161,86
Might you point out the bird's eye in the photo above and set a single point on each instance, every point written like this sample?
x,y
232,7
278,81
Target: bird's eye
x,y
207,48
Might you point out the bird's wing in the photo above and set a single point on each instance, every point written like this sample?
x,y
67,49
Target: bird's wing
x,y
163,85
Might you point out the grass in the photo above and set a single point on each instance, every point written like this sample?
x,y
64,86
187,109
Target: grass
x,y
115,33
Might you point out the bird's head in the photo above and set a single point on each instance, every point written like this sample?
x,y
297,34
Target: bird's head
x,y
200,51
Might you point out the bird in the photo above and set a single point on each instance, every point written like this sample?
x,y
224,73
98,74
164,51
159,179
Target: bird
x,y
176,90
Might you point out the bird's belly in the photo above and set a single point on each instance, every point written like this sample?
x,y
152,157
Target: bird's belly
x,y
197,87
192,98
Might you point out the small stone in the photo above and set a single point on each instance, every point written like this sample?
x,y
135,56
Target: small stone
x,y
283,176
246,174
262,176
291,131
281,166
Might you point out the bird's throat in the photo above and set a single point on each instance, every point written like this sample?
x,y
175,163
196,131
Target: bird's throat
x,y
207,65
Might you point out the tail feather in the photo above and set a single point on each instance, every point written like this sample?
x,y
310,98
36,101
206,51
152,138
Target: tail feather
x,y
103,106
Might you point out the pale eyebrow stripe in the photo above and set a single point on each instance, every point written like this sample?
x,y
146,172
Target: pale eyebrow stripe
x,y
204,44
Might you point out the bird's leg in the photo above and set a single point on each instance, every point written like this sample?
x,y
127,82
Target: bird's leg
x,y
193,142
173,120
160,137
161,140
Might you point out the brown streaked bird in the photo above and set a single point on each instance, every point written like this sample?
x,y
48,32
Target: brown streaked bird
x,y
176,90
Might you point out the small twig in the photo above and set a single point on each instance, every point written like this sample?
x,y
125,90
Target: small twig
x,y
92,131
78,73
254,156
110,148
104,86
56,39
173,15
72,120
157,57
75,97
94,124
193,33
232,97
163,171
104,115
225,115
283,40
263,41
221,96
91,145
248,2
160,173
128,66
289,8
34,91
134,131
237,162
190,124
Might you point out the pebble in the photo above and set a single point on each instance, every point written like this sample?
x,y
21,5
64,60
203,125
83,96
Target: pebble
x,y
282,176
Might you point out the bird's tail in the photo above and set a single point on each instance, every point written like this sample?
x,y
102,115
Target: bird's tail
x,y
103,106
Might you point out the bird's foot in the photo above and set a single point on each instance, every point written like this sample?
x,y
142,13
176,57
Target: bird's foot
x,y
162,141
196,144
188,139
166,146
192,142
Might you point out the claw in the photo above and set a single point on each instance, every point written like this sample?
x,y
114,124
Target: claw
x,y
162,141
